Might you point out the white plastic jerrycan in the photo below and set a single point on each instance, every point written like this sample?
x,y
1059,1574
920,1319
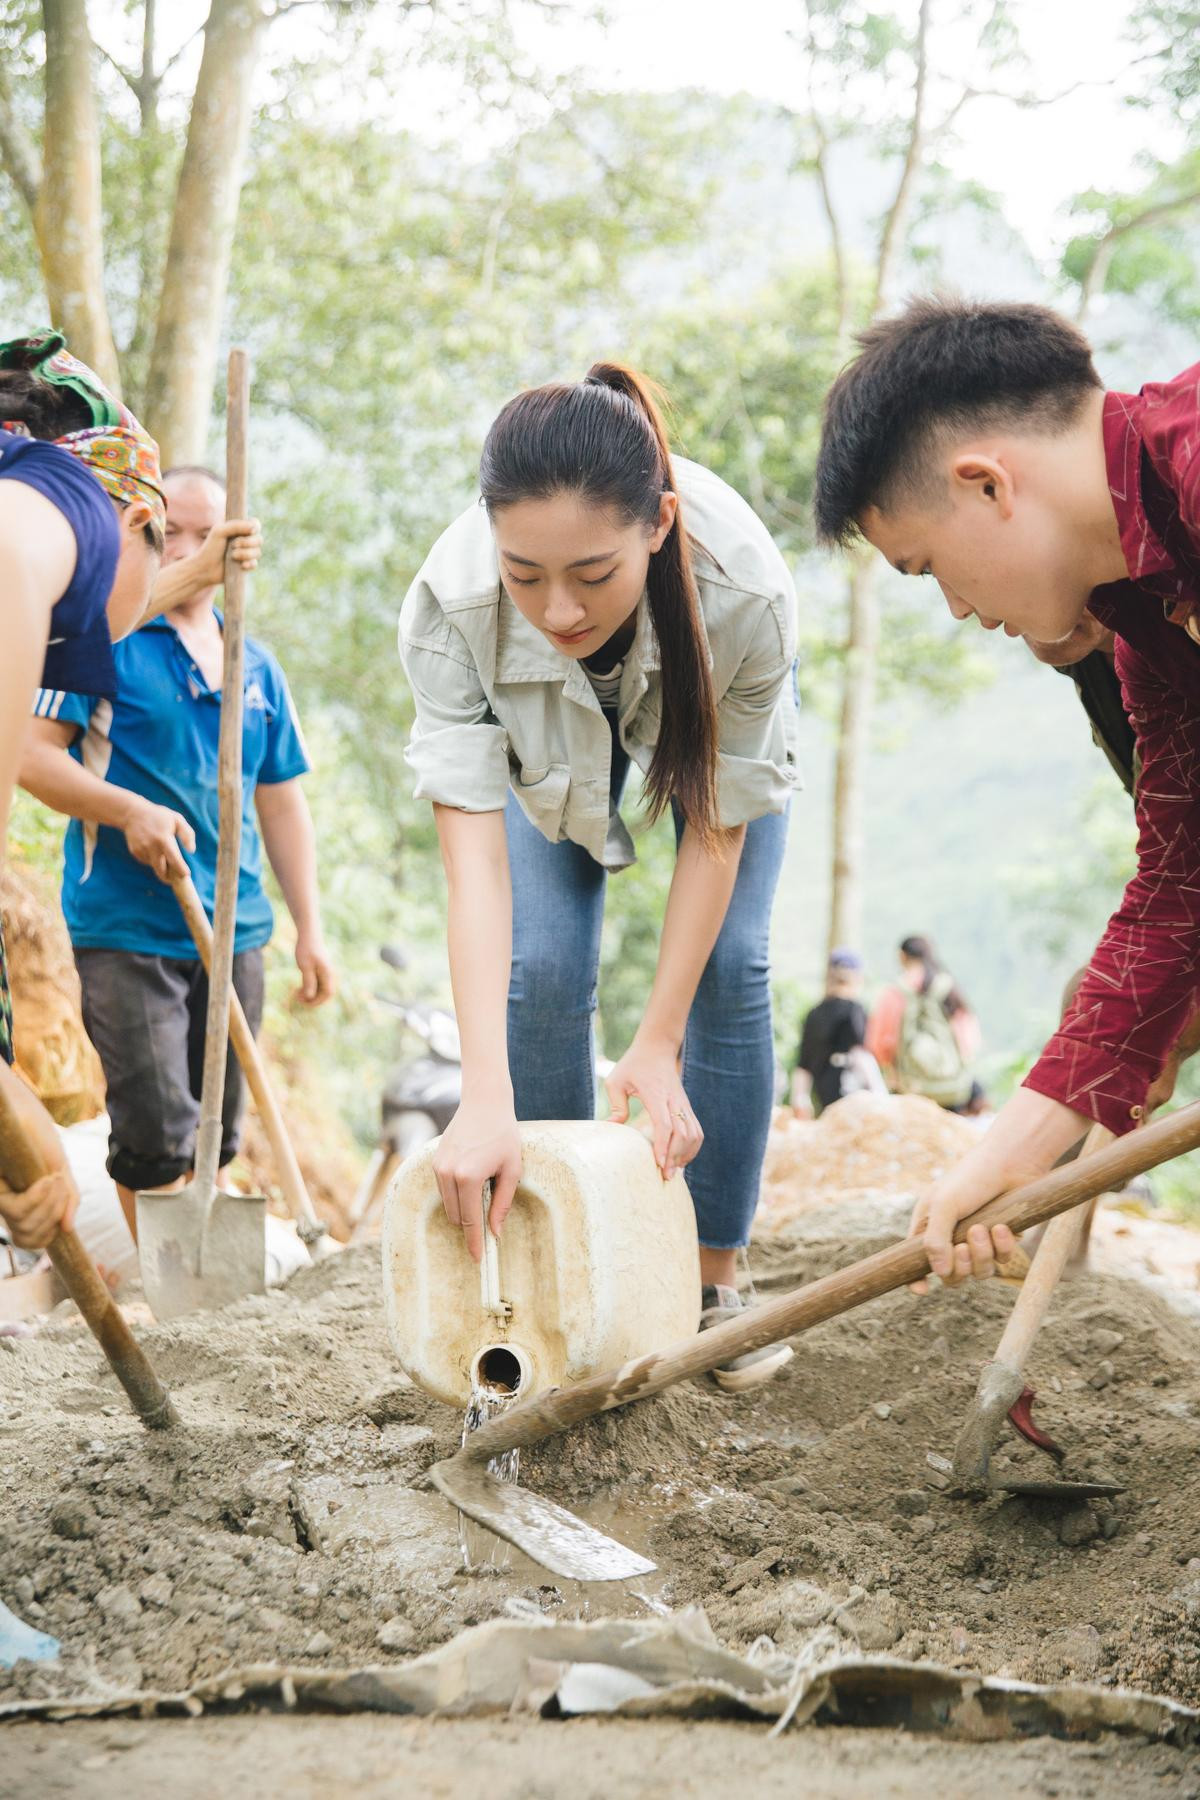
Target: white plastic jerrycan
x,y
597,1262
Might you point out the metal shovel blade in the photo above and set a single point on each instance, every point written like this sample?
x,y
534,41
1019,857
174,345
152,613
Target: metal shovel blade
x,y
549,1534
199,1251
1059,1490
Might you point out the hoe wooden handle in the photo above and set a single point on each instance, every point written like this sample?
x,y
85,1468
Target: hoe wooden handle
x,y
21,1166
1050,1259
530,1421
291,1180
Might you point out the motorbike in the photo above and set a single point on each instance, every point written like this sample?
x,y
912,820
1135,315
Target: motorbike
x,y
420,1096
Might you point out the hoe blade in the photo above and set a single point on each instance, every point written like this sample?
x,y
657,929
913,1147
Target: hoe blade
x,y
1060,1490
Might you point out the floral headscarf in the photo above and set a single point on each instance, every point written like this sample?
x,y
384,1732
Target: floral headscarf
x,y
117,449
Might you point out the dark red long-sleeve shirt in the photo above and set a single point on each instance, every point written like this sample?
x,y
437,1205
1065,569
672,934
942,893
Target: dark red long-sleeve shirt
x,y
1143,983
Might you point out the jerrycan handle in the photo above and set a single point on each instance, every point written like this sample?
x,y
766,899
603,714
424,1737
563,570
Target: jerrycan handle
x,y
489,1265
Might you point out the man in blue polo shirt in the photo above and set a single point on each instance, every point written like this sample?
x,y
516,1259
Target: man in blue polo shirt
x,y
138,777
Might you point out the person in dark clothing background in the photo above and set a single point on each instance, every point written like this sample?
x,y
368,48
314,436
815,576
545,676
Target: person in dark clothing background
x,y
831,1061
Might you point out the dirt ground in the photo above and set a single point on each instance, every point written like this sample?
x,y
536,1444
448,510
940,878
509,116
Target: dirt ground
x,y
290,1524
285,1524
316,1758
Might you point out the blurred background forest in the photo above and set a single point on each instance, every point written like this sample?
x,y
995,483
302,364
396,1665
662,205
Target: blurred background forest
x,y
409,209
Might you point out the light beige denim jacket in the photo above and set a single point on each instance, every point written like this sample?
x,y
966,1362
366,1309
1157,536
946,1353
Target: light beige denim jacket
x,y
497,706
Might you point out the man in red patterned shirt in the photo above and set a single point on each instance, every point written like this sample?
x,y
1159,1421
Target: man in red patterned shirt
x,y
975,444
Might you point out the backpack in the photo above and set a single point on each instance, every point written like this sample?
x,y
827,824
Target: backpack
x,y
928,1059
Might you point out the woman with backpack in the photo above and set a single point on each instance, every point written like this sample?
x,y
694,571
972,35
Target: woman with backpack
x,y
925,1034
607,604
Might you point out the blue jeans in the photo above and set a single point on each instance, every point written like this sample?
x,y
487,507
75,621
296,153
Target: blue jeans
x,y
728,1051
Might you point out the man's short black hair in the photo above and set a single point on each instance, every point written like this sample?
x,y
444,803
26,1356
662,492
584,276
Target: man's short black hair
x,y
940,364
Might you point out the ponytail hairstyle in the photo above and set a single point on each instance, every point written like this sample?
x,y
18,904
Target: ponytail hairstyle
x,y
603,439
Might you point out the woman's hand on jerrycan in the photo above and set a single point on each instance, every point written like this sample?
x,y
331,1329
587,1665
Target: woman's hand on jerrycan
x,y
481,1143
650,1070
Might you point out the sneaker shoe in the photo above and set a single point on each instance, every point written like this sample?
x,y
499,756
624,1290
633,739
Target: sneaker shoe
x,y
719,1304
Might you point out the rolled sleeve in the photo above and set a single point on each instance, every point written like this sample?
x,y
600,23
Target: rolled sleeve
x,y
458,750
756,745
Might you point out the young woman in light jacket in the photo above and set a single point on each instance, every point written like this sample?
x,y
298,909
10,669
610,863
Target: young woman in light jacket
x,y
600,607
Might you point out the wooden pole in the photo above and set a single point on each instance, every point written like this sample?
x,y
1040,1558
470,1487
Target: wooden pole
x,y
1107,1170
21,1166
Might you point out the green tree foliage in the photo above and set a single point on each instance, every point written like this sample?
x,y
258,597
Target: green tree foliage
x,y
748,379
394,291
1142,242
1166,37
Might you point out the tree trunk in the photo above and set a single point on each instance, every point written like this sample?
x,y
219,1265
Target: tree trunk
x,y
853,749
895,225
183,363
68,219
151,206
18,153
862,639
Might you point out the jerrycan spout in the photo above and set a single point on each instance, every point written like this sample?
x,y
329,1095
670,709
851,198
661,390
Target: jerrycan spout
x,y
502,1368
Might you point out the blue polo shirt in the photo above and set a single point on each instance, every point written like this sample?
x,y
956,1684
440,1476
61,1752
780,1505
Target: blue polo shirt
x,y
158,737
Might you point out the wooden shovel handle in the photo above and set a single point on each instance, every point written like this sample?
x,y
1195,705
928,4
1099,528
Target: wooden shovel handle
x,y
532,1420
290,1178
229,788
21,1166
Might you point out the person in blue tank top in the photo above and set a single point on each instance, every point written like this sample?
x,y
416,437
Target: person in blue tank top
x,y
137,775
82,520
81,529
